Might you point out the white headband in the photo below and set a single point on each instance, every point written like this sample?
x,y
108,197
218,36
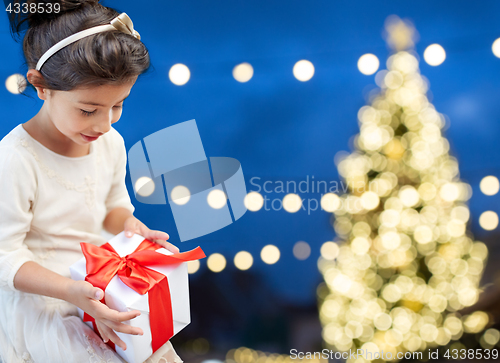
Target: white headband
x,y
122,23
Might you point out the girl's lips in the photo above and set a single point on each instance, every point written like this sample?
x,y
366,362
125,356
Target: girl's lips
x,y
89,138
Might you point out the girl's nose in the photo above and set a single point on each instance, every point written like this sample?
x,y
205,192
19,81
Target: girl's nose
x,y
104,124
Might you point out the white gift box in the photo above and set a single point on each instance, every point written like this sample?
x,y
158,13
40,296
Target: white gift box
x,y
119,296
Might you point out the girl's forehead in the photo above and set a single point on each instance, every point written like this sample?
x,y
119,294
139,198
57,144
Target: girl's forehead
x,y
100,94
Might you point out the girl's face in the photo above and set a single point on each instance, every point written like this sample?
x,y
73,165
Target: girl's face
x,y
82,115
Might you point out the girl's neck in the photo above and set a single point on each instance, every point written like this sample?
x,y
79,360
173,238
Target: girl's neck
x,y
43,130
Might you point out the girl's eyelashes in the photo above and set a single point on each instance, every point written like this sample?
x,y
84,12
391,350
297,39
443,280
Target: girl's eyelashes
x,y
87,113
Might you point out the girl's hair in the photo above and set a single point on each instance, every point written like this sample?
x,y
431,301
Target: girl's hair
x,y
110,57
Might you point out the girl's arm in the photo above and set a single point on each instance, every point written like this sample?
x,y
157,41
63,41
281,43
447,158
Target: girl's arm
x,y
36,279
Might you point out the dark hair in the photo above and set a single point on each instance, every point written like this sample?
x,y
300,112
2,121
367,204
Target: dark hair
x,y
110,57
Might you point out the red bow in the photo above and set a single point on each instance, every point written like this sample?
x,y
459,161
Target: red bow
x,y
103,263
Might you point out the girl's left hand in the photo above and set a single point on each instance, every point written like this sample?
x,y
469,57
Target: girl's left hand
x,y
133,225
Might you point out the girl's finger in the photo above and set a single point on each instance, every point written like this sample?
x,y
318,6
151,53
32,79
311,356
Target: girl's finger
x,y
101,331
90,291
153,235
96,293
167,245
116,316
131,227
122,328
113,337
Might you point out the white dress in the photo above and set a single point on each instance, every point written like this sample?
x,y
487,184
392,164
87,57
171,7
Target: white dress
x,y
49,203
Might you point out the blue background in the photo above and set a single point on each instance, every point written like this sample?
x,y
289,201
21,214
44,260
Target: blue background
x,y
283,129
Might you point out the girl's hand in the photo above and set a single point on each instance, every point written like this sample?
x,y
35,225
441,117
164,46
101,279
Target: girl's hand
x,y
133,225
86,297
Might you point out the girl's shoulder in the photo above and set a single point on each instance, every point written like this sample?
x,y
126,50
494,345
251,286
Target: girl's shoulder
x,y
12,136
14,143
15,156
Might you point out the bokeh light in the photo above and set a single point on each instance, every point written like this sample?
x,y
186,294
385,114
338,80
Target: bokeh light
x,y
201,346
243,260
301,250
449,192
329,250
368,64
489,185
180,195
496,48
179,74
243,72
193,266
16,83
492,336
434,54
488,220
144,186
303,70
292,203
253,201
216,199
370,200
330,202
216,262
270,254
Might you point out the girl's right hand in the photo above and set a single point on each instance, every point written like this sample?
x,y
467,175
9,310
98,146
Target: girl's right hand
x,y
86,297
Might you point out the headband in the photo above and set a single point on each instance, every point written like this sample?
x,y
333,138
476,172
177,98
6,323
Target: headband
x,y
121,23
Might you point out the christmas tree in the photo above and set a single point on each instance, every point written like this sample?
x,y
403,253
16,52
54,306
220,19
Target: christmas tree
x,y
405,263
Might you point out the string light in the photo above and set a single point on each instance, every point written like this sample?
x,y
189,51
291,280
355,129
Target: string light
x,y
330,202
193,266
253,201
243,72
179,74
301,250
270,254
292,203
216,199
216,262
329,250
180,195
303,70
489,185
434,54
144,186
496,48
492,336
368,64
243,260
488,220
15,83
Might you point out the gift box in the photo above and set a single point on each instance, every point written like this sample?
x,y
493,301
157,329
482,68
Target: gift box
x,y
137,274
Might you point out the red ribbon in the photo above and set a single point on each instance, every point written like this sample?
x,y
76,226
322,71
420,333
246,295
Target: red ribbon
x,y
103,263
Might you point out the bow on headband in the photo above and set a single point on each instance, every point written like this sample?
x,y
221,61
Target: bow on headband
x,y
124,24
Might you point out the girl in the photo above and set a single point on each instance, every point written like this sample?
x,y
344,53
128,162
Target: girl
x,y
62,179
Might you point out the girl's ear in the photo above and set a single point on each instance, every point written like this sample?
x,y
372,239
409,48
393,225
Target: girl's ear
x,y
36,79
